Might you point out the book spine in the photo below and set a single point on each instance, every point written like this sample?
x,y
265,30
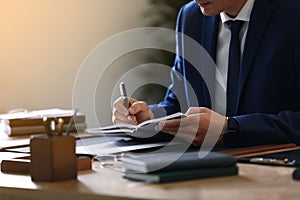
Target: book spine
x,y
40,129
182,175
39,121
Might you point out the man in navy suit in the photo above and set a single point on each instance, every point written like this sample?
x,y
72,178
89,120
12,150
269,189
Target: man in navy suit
x,y
265,107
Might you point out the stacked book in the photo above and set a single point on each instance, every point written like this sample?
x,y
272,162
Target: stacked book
x,y
27,123
175,166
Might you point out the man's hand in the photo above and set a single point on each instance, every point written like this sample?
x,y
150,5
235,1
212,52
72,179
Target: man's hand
x,y
137,112
200,123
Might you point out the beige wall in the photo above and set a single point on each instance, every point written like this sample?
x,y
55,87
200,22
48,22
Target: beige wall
x,y
44,42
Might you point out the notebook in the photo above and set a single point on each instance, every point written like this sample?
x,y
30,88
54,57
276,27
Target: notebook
x,y
173,161
175,166
189,174
145,129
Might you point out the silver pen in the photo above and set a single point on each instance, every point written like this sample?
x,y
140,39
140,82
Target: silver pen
x,y
123,93
272,161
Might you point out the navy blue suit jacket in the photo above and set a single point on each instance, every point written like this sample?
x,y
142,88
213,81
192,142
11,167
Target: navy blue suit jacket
x,y
268,108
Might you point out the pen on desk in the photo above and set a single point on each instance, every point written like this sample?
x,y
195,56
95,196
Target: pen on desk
x,y
272,161
71,122
123,93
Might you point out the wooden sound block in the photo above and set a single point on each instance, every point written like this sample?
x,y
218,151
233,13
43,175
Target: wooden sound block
x,y
20,165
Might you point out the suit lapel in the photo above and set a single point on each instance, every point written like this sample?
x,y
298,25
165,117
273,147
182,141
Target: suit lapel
x,y
210,35
259,20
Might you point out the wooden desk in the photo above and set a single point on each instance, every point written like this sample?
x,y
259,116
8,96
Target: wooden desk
x,y
253,182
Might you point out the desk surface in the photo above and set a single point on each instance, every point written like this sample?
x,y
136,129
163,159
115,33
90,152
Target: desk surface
x,y
253,182
6,141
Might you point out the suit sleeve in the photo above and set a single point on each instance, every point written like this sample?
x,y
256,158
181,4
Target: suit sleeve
x,y
175,92
258,128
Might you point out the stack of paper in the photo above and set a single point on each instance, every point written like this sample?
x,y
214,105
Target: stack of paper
x,y
22,123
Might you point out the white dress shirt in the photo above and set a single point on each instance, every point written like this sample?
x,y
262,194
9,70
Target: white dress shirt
x,y
222,55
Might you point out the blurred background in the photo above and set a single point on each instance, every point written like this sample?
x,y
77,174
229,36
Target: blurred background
x,y
43,43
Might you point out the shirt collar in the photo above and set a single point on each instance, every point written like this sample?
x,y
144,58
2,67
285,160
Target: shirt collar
x,y
244,14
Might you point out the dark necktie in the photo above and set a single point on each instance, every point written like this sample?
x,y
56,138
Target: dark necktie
x,y
233,65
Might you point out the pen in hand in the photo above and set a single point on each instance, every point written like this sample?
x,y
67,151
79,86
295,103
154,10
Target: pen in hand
x,y
125,97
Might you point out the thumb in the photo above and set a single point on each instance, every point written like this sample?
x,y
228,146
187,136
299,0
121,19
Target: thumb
x,y
197,110
132,101
138,106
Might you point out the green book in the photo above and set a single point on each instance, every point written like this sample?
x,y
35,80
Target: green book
x,y
180,175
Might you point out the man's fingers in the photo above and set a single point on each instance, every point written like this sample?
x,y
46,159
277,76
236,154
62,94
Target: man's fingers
x,y
171,125
192,138
138,106
119,107
119,118
132,101
133,119
117,121
182,123
197,110
185,129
